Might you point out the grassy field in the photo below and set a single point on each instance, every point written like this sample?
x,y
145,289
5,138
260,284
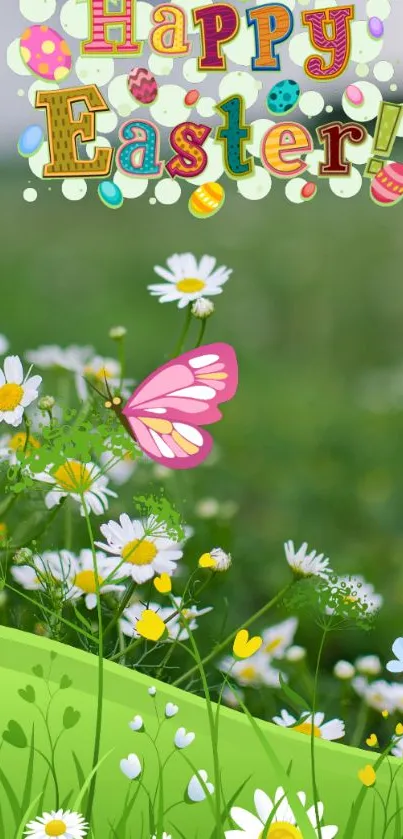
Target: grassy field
x,y
314,309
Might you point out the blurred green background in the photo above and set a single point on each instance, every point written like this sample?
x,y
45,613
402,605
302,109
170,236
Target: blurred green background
x,y
312,445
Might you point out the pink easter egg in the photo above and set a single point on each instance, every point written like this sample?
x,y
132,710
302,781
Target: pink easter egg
x,y
387,186
308,191
142,85
354,94
45,53
191,97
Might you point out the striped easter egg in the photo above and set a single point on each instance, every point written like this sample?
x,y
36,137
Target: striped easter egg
x,y
206,200
387,186
142,85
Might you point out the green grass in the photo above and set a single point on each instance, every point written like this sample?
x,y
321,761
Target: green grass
x,y
314,306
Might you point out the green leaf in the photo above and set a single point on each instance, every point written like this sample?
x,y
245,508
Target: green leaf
x,y
293,697
83,790
38,671
12,798
15,735
29,773
65,802
79,771
25,817
27,694
398,818
65,682
70,717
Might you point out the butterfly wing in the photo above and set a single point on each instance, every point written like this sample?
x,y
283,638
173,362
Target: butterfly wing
x,y
165,413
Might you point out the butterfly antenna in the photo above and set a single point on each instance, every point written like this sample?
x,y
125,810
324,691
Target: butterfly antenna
x,y
99,392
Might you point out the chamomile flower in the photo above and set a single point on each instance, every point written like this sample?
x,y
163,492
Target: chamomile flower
x,y
50,356
4,345
276,639
304,564
119,467
332,730
43,570
187,280
16,392
252,672
380,695
167,614
80,481
80,576
61,823
359,597
101,370
368,665
281,817
10,444
143,548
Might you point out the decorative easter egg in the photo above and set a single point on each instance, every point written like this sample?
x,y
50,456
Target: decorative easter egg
x,y
308,191
142,85
283,97
354,94
206,200
30,140
387,186
375,26
45,53
191,97
110,194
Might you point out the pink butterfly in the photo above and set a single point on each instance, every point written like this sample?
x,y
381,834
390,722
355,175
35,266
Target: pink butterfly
x,y
166,411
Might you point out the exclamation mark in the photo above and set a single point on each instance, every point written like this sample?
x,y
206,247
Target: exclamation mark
x,y
385,134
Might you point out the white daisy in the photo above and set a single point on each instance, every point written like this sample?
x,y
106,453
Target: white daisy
x,y
119,467
357,591
164,836
80,575
61,823
252,672
4,345
76,479
304,564
175,630
45,568
10,444
71,358
368,665
380,695
16,392
344,670
100,369
143,548
276,639
186,280
282,820
332,730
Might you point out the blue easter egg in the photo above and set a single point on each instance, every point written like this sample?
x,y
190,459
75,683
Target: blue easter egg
x,y
283,97
30,140
110,194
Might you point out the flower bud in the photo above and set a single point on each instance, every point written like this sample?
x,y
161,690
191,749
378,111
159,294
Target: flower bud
x,y
46,403
23,556
117,333
202,308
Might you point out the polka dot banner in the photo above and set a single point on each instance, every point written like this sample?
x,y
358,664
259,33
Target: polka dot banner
x,y
300,102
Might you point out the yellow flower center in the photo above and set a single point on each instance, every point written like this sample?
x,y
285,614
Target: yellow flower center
x,y
272,645
101,373
282,830
18,442
10,396
306,728
55,828
248,673
190,284
139,552
86,580
73,476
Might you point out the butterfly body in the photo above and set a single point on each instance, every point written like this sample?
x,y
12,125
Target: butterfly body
x,y
165,413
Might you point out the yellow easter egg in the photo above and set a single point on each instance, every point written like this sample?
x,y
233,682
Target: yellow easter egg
x,y
206,200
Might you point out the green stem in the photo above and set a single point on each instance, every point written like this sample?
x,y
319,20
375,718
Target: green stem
x,y
361,723
122,606
185,330
313,765
68,528
51,612
201,332
220,647
98,726
122,361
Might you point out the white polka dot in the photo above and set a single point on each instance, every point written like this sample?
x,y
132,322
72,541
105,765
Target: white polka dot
x,y
30,195
41,84
378,8
74,19
255,186
383,71
37,10
14,59
130,186
205,106
362,70
99,142
293,190
243,46
300,48
239,82
346,186
359,152
105,121
311,103
74,189
91,70
120,98
169,108
191,73
167,191
160,65
369,107
364,48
